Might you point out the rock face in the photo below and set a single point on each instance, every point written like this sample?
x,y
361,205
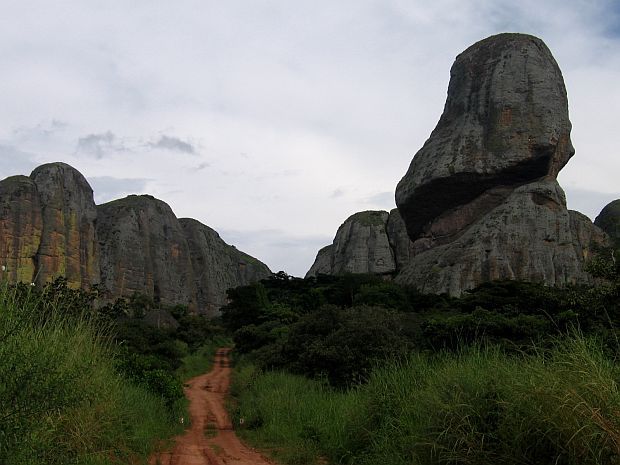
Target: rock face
x,y
609,221
480,200
21,226
217,266
68,244
361,245
143,250
399,240
51,227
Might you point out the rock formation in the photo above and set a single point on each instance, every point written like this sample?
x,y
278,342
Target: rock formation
x,y
51,227
21,226
218,266
68,244
143,250
609,221
480,200
361,245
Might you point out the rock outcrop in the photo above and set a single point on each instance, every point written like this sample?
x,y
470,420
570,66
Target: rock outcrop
x,y
217,266
51,227
609,221
480,200
144,250
361,245
68,246
21,226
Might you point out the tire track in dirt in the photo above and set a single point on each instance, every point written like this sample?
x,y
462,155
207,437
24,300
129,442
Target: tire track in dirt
x,y
210,440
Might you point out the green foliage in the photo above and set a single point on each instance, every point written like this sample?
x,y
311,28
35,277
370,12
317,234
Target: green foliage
x,y
478,406
61,399
343,344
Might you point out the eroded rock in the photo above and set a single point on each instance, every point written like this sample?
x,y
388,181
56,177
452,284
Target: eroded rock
x,y
480,200
144,250
361,245
505,123
217,266
69,245
609,221
21,226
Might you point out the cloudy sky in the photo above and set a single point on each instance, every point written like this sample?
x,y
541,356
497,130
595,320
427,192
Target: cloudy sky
x,y
273,121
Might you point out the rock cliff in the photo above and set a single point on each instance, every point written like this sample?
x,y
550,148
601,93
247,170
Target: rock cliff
x,y
361,245
144,250
480,200
68,244
21,226
217,266
50,227
609,221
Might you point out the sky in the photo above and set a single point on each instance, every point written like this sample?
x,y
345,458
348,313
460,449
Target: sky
x,y
273,121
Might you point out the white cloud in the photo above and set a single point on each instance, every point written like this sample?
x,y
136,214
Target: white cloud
x,y
285,103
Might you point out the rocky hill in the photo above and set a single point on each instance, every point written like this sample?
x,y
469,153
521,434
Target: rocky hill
x,y
609,221
367,242
51,227
480,200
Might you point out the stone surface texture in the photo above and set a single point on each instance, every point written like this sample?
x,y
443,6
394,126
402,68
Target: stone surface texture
x,y
69,245
217,266
51,227
505,122
21,226
609,221
361,245
144,250
480,200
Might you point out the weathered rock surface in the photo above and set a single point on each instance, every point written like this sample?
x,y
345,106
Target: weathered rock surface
x,y
217,266
21,226
50,227
480,200
323,263
361,245
505,123
531,236
144,250
402,247
69,244
609,221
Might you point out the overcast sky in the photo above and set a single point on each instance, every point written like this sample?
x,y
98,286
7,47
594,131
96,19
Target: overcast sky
x,y
273,121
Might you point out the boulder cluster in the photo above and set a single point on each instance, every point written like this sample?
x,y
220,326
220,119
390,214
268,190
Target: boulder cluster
x,y
480,200
50,227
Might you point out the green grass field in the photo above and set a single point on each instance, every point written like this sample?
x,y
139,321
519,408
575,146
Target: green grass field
x,y
480,406
61,399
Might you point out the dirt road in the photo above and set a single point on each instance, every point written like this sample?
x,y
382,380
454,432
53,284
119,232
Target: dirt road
x,y
211,439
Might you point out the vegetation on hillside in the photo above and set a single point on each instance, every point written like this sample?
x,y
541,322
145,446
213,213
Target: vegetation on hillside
x,y
82,385
355,369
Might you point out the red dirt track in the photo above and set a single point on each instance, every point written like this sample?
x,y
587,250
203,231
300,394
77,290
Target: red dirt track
x,y
211,439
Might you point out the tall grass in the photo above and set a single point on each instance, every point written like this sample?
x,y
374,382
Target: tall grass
x,y
478,407
61,401
201,360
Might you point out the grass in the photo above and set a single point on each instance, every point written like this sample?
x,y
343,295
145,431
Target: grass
x,y
478,407
201,360
61,400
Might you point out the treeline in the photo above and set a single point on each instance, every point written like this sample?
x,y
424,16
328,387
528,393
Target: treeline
x,y
82,383
358,370
340,327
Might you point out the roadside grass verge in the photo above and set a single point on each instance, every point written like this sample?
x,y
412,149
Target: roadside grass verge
x,y
61,399
480,406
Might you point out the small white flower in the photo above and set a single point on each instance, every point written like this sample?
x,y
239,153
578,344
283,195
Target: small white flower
x,y
3,267
32,284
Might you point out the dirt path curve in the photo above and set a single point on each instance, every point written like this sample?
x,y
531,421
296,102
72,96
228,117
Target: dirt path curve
x,y
211,439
